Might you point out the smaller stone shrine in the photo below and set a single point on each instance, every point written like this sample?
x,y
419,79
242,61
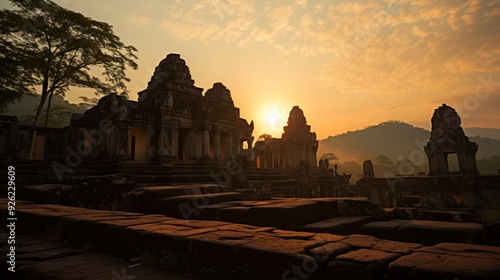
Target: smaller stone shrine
x,y
300,143
296,144
448,137
368,169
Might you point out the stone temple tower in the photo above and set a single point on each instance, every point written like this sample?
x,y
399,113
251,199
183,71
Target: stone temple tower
x,y
448,137
299,142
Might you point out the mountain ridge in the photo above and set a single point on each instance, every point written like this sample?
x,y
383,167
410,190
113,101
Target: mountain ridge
x,y
399,140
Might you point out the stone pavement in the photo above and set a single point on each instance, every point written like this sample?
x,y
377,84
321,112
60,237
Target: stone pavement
x,y
253,252
44,259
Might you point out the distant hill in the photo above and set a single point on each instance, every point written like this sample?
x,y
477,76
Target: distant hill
x,y
25,110
397,140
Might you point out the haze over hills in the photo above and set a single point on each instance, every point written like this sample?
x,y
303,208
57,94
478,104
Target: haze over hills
x,y
61,110
493,133
397,140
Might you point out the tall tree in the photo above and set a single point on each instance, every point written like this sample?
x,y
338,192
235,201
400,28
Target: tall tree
x,y
51,49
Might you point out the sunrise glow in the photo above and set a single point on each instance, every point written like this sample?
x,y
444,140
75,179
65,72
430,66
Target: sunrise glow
x,y
347,64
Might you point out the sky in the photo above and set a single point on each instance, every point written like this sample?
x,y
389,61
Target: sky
x,y
347,64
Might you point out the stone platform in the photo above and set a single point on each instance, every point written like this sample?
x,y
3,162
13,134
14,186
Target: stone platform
x,y
255,252
45,259
209,201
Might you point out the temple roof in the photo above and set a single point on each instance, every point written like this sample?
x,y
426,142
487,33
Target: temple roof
x,y
220,94
296,117
445,116
171,69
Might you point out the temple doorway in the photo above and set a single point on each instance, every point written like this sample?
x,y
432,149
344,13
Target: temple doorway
x,y
452,162
139,143
182,143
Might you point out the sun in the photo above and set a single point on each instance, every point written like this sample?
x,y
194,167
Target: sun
x,y
273,120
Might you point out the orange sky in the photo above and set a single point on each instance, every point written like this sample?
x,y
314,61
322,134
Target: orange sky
x,y
347,64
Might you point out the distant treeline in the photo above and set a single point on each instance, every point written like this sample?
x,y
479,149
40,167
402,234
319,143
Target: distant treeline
x,y
383,166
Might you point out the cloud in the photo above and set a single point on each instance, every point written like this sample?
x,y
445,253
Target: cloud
x,y
138,19
372,47
209,20
425,47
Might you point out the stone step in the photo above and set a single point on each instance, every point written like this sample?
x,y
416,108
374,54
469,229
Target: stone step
x,y
290,213
169,191
339,225
44,172
426,232
435,215
247,251
174,178
186,206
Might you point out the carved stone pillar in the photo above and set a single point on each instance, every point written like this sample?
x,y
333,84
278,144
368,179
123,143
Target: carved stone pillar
x,y
238,145
206,143
164,142
230,146
217,143
191,145
197,143
151,147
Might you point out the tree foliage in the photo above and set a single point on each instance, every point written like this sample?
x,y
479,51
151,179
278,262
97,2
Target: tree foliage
x,y
48,49
60,116
265,136
14,80
88,102
489,166
329,156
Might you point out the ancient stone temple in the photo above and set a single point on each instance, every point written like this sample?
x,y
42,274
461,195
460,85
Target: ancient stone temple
x,y
448,138
172,121
298,140
297,144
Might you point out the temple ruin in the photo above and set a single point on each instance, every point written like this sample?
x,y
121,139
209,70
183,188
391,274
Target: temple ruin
x,y
172,121
447,138
296,144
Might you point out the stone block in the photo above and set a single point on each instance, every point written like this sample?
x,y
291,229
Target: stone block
x,y
328,207
209,212
329,251
219,248
360,264
447,216
434,232
285,215
277,258
360,206
247,228
248,194
382,229
339,225
235,214
47,193
465,250
327,237
422,265
186,206
404,213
